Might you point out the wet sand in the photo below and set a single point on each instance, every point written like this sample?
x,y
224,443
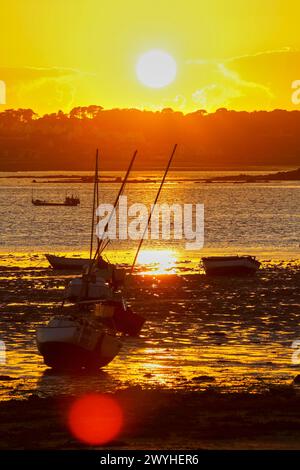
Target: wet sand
x,y
156,420
212,369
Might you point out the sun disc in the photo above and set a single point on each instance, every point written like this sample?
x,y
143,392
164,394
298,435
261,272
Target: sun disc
x,y
156,69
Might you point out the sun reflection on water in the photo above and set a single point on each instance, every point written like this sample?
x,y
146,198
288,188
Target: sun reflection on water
x,y
158,261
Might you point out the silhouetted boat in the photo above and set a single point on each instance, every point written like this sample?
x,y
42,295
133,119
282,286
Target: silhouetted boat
x,y
115,313
80,339
70,201
92,287
230,265
70,342
85,337
77,264
62,262
105,270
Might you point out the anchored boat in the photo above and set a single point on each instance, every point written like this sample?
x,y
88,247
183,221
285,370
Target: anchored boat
x,y
107,303
78,264
86,337
115,313
62,262
70,201
88,288
72,342
230,265
83,337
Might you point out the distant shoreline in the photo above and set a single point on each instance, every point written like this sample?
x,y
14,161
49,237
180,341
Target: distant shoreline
x,y
292,175
262,177
62,173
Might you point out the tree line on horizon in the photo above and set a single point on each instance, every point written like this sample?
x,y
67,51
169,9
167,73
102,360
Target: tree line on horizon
x,y
225,138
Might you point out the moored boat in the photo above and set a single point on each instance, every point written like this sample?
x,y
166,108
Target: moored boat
x,y
67,342
230,265
115,313
70,201
105,270
107,304
88,288
62,262
80,339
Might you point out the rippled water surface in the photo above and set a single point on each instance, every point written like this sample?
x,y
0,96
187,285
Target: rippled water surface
x,y
200,332
256,216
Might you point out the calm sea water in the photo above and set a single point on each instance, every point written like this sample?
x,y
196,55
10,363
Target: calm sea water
x,y
227,333
258,218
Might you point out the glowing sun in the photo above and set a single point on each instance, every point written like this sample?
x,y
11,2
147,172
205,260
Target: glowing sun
x,y
156,69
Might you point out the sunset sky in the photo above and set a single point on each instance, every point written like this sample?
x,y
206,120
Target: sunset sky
x,y
61,54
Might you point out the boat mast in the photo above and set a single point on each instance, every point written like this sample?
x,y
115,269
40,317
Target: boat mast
x,y
153,206
97,194
100,244
95,201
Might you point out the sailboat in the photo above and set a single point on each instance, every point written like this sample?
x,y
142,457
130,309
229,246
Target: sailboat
x,y
86,336
78,264
116,313
79,336
76,341
93,284
93,290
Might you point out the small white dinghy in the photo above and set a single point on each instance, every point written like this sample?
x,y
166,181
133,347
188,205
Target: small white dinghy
x,y
62,262
105,270
230,265
67,342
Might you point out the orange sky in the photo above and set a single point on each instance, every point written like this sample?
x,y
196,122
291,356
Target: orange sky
x,y
60,54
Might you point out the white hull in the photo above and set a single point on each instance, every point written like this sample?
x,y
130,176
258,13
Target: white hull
x,y
109,273
66,343
226,265
79,289
62,262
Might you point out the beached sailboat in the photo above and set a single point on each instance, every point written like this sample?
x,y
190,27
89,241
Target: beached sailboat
x,y
88,288
93,283
83,338
93,288
230,265
116,313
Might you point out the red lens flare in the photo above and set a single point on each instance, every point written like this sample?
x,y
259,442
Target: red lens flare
x,y
95,419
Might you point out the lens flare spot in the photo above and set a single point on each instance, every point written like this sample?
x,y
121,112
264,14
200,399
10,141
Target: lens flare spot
x,y
95,419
